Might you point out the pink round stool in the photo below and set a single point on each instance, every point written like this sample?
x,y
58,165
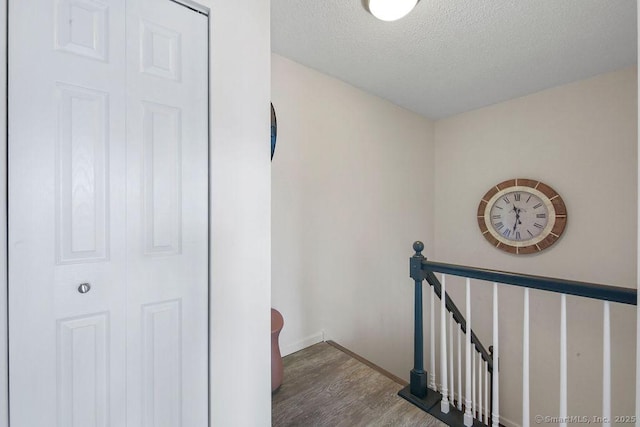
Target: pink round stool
x,y
277,370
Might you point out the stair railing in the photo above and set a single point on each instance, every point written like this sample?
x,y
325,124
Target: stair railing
x,y
422,390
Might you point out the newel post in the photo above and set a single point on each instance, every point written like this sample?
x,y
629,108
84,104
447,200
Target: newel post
x,y
418,377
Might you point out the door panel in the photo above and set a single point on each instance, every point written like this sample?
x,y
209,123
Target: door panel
x,y
81,27
161,364
83,362
162,178
81,193
108,149
167,198
66,162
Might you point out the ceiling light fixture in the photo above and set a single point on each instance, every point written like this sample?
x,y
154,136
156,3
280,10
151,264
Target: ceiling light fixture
x,y
391,10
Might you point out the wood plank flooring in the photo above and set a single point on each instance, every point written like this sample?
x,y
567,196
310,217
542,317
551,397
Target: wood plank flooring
x,y
324,386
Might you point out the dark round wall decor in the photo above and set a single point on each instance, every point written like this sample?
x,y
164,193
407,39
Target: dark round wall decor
x,y
274,131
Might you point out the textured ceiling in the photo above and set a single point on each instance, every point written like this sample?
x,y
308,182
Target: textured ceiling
x,y
450,56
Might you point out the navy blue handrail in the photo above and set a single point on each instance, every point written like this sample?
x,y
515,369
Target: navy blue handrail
x,y
421,269
569,287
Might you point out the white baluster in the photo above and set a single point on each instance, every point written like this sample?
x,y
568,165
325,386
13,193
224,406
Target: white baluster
x,y
486,393
563,360
451,378
444,376
468,417
495,392
460,367
606,367
474,402
525,361
432,342
480,386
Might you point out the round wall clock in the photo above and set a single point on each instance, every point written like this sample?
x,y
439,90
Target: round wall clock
x,y
522,216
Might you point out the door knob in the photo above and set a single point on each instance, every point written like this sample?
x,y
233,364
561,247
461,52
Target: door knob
x,y
84,288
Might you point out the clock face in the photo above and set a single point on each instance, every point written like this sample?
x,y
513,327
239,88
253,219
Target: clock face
x,y
519,216
522,216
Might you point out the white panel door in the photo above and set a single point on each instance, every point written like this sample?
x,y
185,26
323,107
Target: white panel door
x,y
167,199
66,172
108,142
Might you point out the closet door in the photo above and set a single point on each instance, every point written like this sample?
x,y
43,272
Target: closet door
x,y
66,213
167,219
107,213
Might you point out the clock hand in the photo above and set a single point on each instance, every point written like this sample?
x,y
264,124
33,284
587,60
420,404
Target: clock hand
x,y
517,215
517,219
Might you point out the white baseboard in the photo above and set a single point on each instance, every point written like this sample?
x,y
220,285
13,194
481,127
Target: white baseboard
x,y
303,343
508,423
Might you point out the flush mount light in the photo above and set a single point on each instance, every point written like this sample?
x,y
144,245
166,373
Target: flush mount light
x,y
391,10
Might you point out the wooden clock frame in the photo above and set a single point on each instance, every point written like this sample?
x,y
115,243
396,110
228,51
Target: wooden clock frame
x,y
556,224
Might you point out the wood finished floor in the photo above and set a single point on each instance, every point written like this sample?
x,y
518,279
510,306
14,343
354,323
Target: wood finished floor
x,y
325,387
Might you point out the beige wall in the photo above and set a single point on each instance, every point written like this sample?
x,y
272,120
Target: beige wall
x,y
581,139
240,213
637,390
4,351
356,180
352,188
